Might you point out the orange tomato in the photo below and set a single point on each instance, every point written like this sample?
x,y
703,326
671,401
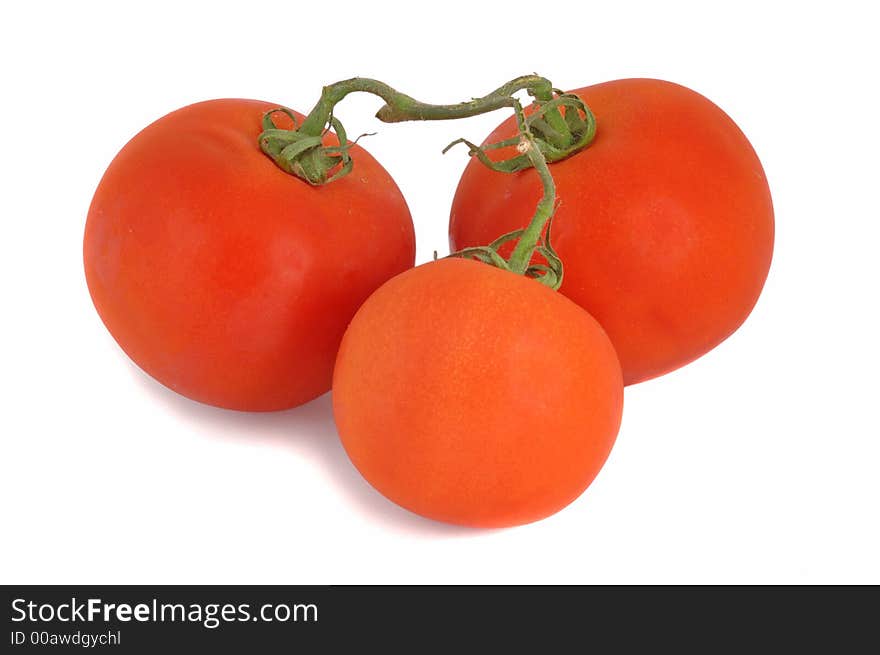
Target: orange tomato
x,y
665,223
225,278
474,396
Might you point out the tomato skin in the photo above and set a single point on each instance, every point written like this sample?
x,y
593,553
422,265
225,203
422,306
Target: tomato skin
x,y
226,279
665,223
474,396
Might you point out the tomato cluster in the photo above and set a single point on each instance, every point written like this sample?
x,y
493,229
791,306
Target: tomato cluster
x,y
463,392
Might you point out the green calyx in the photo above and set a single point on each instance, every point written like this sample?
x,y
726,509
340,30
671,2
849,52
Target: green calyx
x,y
305,155
554,144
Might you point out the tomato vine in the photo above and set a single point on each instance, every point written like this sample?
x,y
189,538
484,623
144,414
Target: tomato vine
x,y
560,126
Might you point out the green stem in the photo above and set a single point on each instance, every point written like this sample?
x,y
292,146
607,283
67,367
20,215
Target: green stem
x,y
400,107
521,256
561,125
547,134
533,237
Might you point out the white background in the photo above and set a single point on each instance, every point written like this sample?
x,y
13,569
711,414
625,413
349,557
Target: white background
x,y
757,464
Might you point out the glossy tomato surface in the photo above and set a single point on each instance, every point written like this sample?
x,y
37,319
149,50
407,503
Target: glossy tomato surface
x,y
474,396
664,225
225,278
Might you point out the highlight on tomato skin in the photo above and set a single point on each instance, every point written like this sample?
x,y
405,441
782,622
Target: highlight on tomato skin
x,y
665,222
225,278
475,396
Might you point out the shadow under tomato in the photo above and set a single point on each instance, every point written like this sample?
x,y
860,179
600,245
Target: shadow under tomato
x,y
308,428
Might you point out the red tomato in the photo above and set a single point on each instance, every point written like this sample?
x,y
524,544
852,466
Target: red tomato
x,y
471,395
665,223
225,278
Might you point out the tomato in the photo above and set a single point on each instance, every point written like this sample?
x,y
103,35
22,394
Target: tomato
x,y
225,278
475,396
665,222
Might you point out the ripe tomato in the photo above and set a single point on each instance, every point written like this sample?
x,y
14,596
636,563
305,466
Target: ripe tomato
x,y
225,278
471,395
665,222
